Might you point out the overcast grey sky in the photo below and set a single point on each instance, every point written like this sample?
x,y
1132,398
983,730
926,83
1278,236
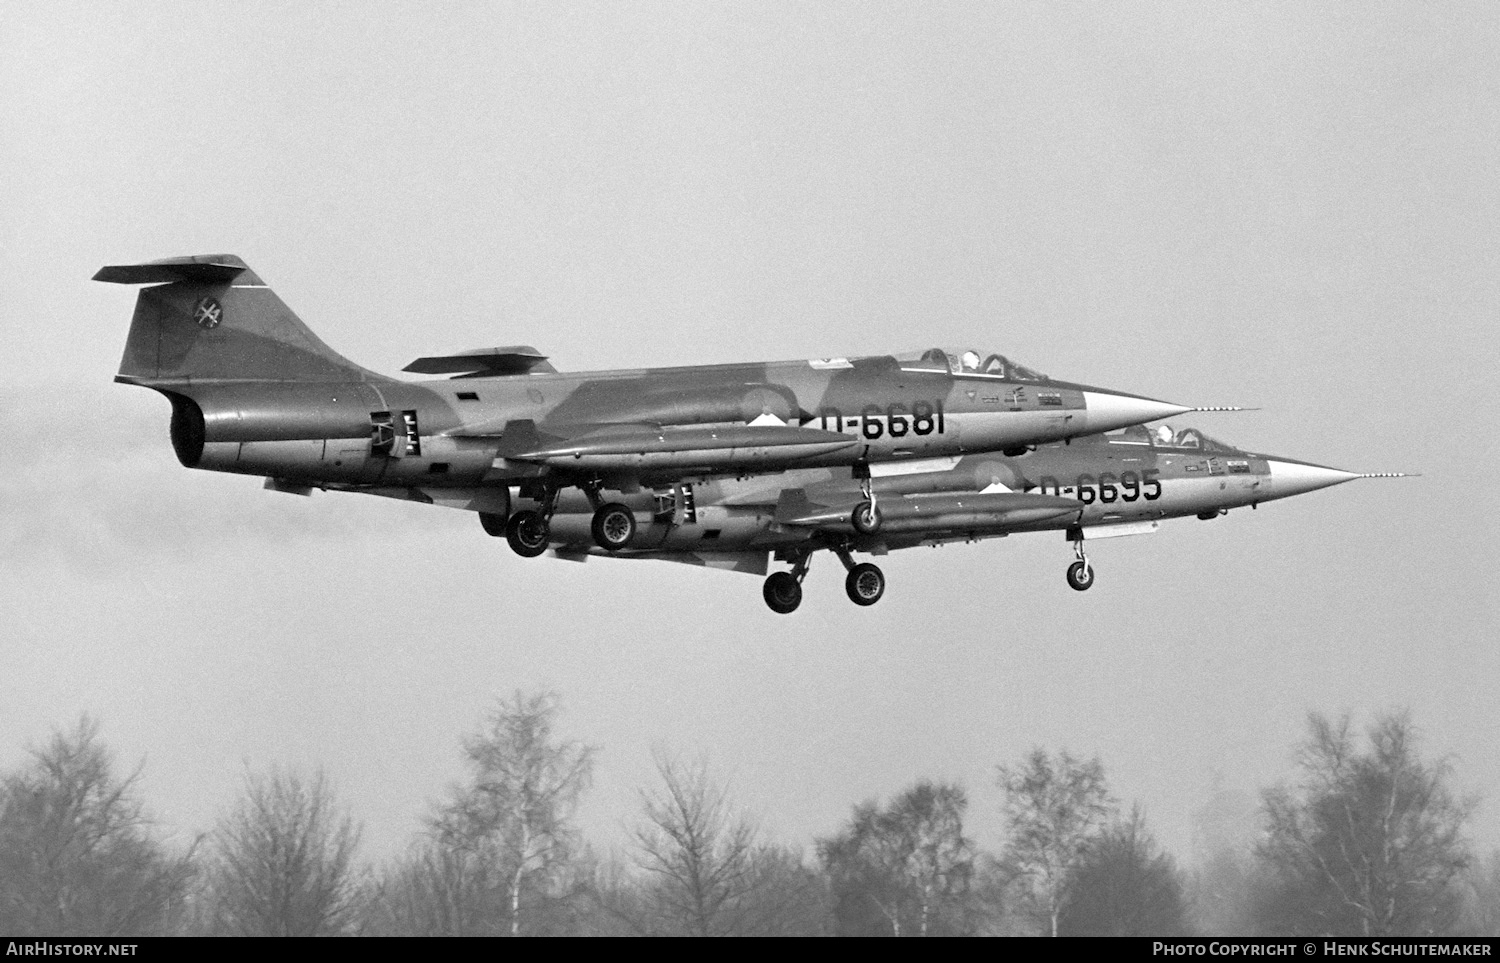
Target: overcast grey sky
x,y
1286,205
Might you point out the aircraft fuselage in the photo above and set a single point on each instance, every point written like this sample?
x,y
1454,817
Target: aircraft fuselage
x,y
449,433
1103,482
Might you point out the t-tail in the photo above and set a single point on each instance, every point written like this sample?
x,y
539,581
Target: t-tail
x,y
209,319
252,389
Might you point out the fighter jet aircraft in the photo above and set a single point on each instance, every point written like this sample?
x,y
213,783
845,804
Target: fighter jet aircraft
x,y
254,391
1099,486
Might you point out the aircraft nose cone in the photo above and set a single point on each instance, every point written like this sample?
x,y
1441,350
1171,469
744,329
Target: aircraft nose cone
x,y
1295,477
1107,411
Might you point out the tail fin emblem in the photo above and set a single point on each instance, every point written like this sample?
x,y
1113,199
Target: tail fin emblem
x,y
208,313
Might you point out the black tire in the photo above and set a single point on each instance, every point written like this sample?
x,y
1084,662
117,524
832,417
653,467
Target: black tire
x,y
865,518
527,534
865,584
493,524
1081,576
614,526
782,591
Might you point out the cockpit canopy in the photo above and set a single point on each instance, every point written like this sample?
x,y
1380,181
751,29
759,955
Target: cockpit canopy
x,y
961,361
1162,436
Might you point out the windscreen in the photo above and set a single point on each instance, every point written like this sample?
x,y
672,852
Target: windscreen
x,y
968,361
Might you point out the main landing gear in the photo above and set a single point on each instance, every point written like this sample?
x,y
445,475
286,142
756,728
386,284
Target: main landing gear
x,y
613,526
1080,573
529,531
864,584
782,592
525,531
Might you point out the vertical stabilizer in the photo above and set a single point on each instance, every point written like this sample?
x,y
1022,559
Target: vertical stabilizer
x,y
210,319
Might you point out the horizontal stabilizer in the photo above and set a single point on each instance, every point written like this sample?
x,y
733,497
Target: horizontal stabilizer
x,y
204,268
484,363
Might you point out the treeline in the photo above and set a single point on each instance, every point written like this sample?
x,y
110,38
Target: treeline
x,y
1367,840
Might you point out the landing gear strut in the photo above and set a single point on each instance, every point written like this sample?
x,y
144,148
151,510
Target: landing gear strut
x,y
866,515
528,531
1080,573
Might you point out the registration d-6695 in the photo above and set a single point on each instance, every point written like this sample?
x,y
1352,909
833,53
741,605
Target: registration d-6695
x,y
1107,487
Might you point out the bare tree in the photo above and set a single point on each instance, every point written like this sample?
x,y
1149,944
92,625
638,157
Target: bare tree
x,y
503,844
698,851
1053,809
431,891
785,896
701,869
909,861
1125,886
779,895
283,861
76,854
1369,843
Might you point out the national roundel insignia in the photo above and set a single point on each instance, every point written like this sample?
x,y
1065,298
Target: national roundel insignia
x,y
208,313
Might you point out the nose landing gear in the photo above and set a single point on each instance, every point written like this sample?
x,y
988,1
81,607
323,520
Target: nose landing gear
x,y
866,515
1080,573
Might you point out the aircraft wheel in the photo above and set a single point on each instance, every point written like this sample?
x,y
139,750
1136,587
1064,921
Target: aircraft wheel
x,y
614,526
527,534
865,584
1081,576
783,592
493,524
865,519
